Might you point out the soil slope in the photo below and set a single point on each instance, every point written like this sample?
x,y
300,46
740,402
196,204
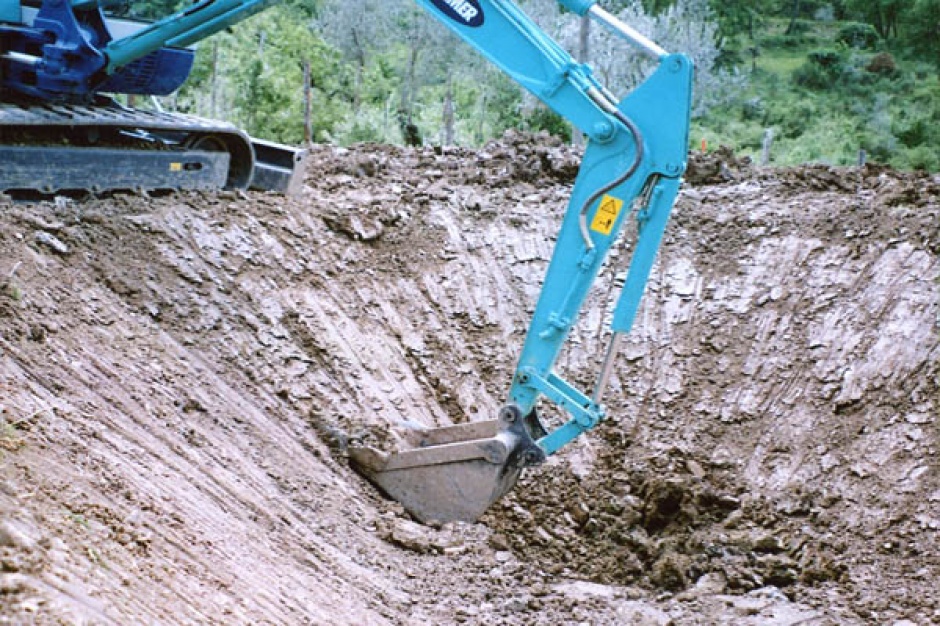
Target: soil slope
x,y
180,377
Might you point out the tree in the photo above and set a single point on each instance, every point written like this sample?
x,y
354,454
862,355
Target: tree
x,y
391,45
253,76
884,15
655,7
794,16
343,24
923,27
146,10
738,16
687,26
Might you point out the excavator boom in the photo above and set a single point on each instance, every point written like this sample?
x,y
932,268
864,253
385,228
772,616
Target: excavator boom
x,y
631,170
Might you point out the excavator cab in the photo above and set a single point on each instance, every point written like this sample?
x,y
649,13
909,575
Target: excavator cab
x,y
631,170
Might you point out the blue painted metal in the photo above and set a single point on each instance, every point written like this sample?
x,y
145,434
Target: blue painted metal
x,y
581,7
61,51
158,73
67,52
660,109
195,22
10,11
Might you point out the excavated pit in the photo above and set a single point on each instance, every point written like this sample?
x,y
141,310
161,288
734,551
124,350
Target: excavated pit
x,y
180,378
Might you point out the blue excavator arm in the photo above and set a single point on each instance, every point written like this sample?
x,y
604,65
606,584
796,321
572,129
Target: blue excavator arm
x,y
637,149
631,170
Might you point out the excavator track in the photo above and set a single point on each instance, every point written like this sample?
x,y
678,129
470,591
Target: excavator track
x,y
51,147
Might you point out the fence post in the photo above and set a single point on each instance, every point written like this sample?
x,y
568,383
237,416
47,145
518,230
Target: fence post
x,y
308,127
766,145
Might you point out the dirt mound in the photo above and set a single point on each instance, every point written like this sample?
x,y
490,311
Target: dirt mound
x,y
714,168
180,377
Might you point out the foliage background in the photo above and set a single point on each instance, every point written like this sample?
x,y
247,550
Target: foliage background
x,y
824,80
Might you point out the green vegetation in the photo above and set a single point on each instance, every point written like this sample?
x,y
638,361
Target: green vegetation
x,y
824,79
11,290
11,438
828,91
14,430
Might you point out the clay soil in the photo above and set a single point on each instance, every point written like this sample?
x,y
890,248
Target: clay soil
x,y
181,377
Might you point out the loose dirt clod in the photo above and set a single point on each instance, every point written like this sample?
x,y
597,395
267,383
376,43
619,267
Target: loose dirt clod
x,y
194,368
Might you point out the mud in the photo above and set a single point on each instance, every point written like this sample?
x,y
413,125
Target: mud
x,y
180,377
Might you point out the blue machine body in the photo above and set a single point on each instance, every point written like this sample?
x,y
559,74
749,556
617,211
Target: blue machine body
x,y
66,50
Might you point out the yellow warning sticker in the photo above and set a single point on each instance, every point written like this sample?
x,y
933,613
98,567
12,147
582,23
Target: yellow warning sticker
x,y
606,215
176,167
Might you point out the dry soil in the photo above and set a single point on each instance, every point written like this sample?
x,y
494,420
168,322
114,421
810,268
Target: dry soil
x,y
181,376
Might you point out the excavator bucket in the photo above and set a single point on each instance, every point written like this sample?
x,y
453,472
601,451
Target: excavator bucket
x,y
452,473
278,167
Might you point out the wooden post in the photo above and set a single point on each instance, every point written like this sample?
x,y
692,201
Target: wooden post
x,y
794,16
214,89
308,126
481,116
766,145
386,116
448,114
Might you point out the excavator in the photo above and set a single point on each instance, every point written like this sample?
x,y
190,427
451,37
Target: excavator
x,y
61,129
60,60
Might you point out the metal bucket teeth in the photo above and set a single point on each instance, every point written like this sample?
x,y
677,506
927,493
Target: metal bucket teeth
x,y
453,473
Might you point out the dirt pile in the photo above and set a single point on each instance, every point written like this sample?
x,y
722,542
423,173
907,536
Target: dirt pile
x,y
180,377
720,166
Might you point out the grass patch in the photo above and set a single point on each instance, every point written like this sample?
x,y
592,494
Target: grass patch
x,y
11,439
781,63
826,101
14,432
9,288
11,291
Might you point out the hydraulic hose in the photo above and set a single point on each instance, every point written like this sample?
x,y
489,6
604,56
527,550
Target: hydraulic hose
x,y
638,140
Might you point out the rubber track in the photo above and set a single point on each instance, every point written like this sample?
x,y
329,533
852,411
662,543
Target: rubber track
x,y
48,114
52,122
